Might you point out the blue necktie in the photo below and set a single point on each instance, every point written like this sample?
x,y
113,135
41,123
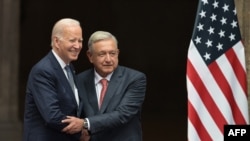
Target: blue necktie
x,y
71,82
70,77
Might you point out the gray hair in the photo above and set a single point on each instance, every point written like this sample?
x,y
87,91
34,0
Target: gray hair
x,y
99,36
60,25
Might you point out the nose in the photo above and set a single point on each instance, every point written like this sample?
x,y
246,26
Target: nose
x,y
107,57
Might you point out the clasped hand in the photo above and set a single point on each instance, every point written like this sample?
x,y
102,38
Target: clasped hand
x,y
75,125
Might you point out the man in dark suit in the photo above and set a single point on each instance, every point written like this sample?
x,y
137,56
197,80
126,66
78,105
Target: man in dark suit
x,y
50,97
117,118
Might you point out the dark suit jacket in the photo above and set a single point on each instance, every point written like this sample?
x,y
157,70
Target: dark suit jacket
x,y
119,117
49,98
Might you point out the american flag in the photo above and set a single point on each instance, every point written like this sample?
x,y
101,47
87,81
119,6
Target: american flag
x,y
216,72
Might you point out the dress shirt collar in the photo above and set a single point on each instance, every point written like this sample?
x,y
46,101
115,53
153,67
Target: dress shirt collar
x,y
61,62
98,77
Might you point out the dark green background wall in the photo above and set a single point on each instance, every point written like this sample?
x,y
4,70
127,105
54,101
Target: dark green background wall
x,y
153,37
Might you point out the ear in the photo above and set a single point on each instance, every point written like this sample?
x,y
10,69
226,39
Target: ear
x,y
56,41
89,54
118,51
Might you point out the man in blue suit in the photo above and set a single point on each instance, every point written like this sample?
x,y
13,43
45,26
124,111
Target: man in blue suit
x,y
118,116
49,96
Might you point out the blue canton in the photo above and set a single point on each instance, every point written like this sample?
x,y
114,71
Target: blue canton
x,y
217,29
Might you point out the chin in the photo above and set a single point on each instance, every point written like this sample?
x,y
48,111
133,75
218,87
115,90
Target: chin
x,y
108,71
74,57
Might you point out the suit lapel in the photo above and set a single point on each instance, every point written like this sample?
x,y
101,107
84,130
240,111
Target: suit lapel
x,y
62,76
91,91
58,70
112,87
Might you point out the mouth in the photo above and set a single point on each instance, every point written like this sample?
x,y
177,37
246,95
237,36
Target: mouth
x,y
108,65
74,52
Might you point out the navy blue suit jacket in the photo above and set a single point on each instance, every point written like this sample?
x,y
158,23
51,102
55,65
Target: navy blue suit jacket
x,y
119,118
49,99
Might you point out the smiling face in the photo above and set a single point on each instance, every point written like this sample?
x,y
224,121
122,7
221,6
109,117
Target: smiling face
x,y
104,56
69,44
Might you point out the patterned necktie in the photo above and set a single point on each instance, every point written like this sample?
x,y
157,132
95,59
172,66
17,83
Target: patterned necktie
x,y
104,83
70,77
72,83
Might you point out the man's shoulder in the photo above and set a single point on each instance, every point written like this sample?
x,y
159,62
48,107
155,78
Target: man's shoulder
x,y
45,64
129,69
85,73
130,72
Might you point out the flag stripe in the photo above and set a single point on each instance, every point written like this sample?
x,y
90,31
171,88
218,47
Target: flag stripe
x,y
225,87
192,130
238,68
194,118
203,115
205,96
209,82
238,92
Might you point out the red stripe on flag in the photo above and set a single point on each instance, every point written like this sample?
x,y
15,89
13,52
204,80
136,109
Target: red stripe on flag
x,y
227,91
205,96
195,120
239,71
